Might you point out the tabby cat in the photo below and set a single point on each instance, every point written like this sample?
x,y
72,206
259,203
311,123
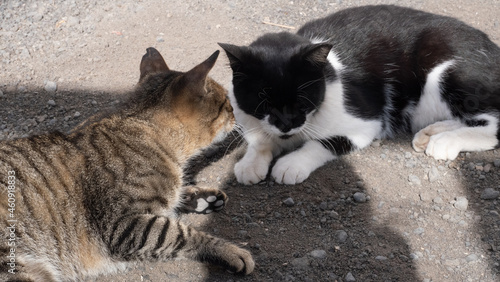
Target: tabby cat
x,y
359,74
109,192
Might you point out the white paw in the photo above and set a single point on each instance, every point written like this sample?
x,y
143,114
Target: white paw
x,y
251,171
444,146
290,172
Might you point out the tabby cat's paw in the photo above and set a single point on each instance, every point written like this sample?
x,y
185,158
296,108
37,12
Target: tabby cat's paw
x,y
233,258
251,172
289,172
202,200
444,146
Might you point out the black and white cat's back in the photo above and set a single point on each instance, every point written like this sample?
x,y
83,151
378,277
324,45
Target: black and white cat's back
x,y
359,74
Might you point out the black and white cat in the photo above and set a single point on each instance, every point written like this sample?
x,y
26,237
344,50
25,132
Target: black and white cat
x,y
360,74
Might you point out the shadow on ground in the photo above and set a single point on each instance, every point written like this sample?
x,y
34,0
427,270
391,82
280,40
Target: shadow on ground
x,y
314,231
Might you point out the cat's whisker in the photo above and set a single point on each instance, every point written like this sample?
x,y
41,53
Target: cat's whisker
x,y
309,83
309,100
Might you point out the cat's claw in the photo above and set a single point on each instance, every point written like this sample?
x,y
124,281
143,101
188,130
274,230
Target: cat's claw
x,y
202,200
444,146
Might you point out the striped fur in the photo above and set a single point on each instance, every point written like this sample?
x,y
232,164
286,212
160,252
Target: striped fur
x,y
109,192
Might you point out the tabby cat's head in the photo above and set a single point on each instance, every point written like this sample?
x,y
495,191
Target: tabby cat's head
x,y
189,100
279,79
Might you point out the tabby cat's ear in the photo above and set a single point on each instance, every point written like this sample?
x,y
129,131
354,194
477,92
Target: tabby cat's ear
x,y
196,77
152,62
317,54
234,54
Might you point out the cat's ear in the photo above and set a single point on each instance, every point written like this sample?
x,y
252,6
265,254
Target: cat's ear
x,y
317,54
152,62
197,76
234,54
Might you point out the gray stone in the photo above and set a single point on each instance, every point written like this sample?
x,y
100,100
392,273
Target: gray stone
x,y
487,168
341,236
414,179
349,277
471,258
438,200
419,231
51,102
50,86
289,202
496,163
381,258
490,194
434,174
320,254
359,197
461,203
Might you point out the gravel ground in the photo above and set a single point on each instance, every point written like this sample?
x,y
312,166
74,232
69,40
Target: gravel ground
x,y
382,214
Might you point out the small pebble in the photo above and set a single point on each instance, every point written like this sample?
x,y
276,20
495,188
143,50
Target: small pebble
x,y
376,143
438,200
349,277
359,197
487,168
289,202
414,179
413,256
381,258
320,254
341,236
51,102
471,258
419,231
461,203
433,174
50,86
490,194
496,163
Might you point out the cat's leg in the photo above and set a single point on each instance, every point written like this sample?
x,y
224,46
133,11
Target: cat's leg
x,y
296,166
201,200
152,237
422,138
254,165
446,145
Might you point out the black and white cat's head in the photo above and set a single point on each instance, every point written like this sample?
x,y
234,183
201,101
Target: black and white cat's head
x,y
280,79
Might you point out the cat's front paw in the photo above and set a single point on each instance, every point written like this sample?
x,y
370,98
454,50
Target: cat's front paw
x,y
251,171
444,146
287,171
